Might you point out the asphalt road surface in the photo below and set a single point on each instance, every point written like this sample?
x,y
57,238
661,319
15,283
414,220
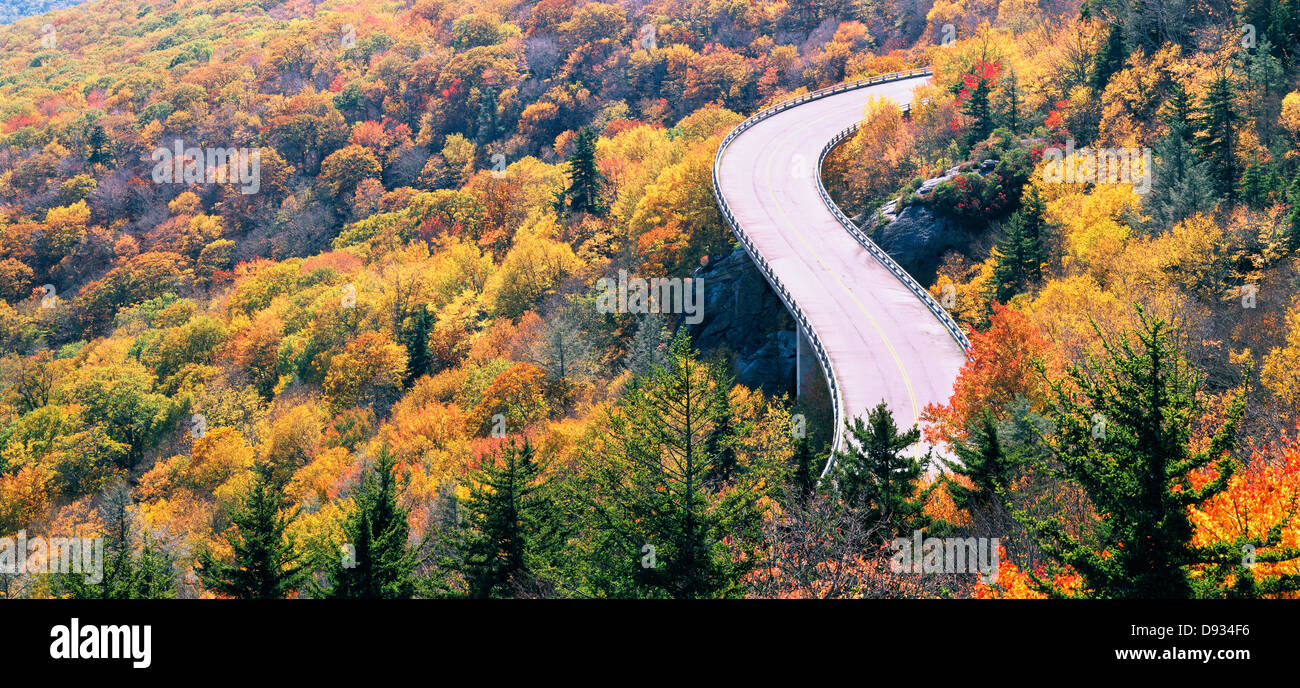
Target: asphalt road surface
x,y
882,340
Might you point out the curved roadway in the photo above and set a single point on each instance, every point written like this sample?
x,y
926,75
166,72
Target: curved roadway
x,y
881,338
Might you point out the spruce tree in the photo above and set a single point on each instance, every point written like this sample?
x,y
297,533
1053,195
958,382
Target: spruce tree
x,y
1178,113
986,462
720,442
1110,59
416,339
978,108
1123,431
1018,260
1009,110
1293,215
1257,184
1283,28
487,126
511,539
1008,263
380,561
655,525
1261,82
584,193
265,563
99,147
1180,185
1217,138
877,478
1033,229
805,470
129,572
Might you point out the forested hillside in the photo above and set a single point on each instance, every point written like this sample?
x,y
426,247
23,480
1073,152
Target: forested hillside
x,y
304,299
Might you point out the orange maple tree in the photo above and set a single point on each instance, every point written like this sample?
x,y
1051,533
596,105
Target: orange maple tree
x,y
1000,369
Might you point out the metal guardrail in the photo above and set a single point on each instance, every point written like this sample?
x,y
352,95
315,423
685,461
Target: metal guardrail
x,y
885,259
837,442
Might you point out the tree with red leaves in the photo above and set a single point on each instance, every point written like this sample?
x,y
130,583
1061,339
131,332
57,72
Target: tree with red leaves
x,y
977,85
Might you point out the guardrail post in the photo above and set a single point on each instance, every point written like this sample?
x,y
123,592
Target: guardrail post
x,y
805,362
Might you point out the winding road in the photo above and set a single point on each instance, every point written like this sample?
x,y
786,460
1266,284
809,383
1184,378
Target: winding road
x,y
875,333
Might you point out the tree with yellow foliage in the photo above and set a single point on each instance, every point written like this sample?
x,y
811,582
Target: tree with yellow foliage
x,y
534,267
880,154
368,372
1281,371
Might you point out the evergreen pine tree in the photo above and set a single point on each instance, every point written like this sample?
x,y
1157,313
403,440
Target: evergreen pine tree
x,y
1009,278
978,108
1110,59
583,195
805,470
1009,111
1180,185
511,540
380,562
1261,82
1178,113
265,564
1217,138
487,126
655,525
986,462
1019,256
877,478
98,145
1293,215
1284,28
128,573
1033,227
1276,24
720,442
416,339
1257,184
1123,431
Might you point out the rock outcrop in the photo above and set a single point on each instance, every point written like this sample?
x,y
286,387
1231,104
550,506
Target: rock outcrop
x,y
745,319
915,237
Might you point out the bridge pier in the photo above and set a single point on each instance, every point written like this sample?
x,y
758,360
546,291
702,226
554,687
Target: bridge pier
x,y
806,366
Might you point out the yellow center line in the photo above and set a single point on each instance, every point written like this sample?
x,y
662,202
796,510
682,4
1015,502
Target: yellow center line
x,y
781,142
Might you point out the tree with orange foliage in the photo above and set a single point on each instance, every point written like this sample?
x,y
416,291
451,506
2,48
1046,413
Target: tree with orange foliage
x,y
517,395
25,496
369,371
1259,506
1015,583
1000,370
677,222
344,169
256,350
881,154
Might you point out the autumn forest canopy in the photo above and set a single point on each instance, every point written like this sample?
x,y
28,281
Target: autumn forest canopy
x,y
303,299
